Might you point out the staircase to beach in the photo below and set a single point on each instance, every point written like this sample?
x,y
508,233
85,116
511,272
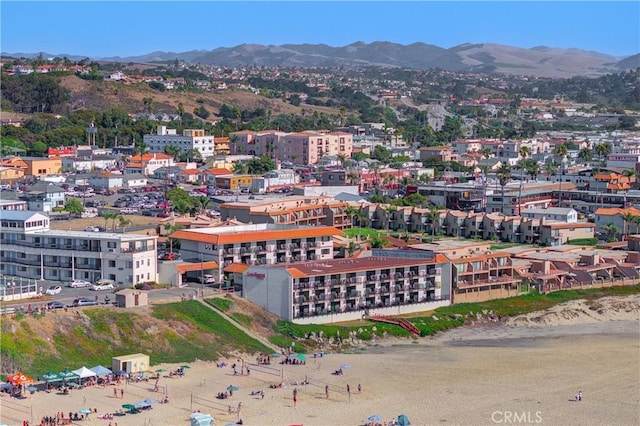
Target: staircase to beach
x,y
401,322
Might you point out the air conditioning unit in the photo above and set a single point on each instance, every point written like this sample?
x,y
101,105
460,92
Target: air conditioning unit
x,y
112,250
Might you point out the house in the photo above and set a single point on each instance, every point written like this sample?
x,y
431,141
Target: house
x,y
104,180
44,197
146,164
274,180
129,298
135,363
189,176
211,174
556,233
39,166
615,216
11,175
560,214
134,180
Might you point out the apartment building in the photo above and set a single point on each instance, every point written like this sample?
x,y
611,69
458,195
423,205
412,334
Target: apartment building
x,y
190,139
259,244
519,196
306,147
575,264
389,282
31,250
295,210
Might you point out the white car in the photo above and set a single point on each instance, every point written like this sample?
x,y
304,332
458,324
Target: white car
x,y
79,284
102,287
53,290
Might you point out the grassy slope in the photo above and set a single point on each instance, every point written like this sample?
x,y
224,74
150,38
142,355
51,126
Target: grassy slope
x,y
183,332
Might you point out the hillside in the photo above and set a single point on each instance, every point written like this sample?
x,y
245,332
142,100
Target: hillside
x,y
106,94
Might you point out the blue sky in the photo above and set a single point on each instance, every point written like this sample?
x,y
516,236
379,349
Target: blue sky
x,y
127,28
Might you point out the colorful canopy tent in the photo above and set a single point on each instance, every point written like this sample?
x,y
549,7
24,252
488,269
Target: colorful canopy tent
x,y
50,377
19,379
69,375
100,370
84,373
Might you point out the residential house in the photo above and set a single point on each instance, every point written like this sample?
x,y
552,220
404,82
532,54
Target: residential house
x,y
274,180
44,197
40,166
560,214
146,164
440,153
615,217
211,174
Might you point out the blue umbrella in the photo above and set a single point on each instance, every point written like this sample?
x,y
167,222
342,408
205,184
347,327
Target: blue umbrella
x,y
85,411
141,404
375,418
150,401
100,370
403,420
345,366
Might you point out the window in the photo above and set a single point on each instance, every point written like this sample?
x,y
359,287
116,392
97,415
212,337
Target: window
x,y
112,264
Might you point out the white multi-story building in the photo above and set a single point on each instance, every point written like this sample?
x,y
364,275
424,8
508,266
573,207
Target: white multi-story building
x,y
29,249
387,283
259,244
190,139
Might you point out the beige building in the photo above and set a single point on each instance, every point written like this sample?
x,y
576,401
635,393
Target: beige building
x,y
37,166
129,298
134,363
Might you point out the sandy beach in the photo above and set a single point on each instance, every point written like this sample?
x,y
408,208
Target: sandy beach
x,y
530,367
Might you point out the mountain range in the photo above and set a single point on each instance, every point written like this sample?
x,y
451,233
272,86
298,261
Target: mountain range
x,y
538,61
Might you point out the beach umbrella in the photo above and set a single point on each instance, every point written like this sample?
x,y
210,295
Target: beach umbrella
x,y
69,375
160,370
120,373
232,388
403,420
274,355
128,406
302,357
141,404
85,411
150,401
345,366
375,418
184,366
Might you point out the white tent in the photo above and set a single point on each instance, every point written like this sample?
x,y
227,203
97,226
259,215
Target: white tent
x,y
84,372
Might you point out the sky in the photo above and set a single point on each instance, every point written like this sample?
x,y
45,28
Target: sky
x,y
128,28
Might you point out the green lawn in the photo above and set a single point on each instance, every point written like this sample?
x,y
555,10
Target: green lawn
x,y
583,242
364,232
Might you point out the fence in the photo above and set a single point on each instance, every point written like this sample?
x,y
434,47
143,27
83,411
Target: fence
x,y
17,288
597,284
226,408
11,405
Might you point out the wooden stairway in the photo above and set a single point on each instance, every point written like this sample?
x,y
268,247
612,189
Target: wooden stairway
x,y
401,322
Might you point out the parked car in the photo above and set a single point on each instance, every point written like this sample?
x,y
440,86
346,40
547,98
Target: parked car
x,y
53,290
207,279
103,285
169,256
79,284
83,301
56,305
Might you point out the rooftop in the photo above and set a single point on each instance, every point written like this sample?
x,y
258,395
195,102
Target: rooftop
x,y
253,232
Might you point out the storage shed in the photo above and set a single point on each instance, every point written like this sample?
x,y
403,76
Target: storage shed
x,y
135,363
128,298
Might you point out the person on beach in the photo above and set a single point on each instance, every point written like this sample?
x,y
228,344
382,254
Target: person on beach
x,y
326,391
122,393
349,392
115,392
579,396
359,388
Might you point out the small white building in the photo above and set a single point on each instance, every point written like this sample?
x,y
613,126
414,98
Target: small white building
x,y
134,363
273,179
559,214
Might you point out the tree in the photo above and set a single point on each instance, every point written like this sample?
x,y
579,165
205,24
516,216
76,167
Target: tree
x,y
173,151
628,218
504,176
260,165
106,215
124,222
612,232
73,205
38,148
352,248
201,202
486,152
434,217
180,111
561,150
180,199
551,168
171,228
114,216
378,242
585,154
381,154
602,149
524,153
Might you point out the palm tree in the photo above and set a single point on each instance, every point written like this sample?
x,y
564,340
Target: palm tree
x,y
504,176
534,170
390,210
180,111
114,216
124,222
628,218
106,215
171,228
524,153
351,212
486,152
173,151
561,150
602,149
551,168
201,202
352,248
586,154
612,232
434,217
